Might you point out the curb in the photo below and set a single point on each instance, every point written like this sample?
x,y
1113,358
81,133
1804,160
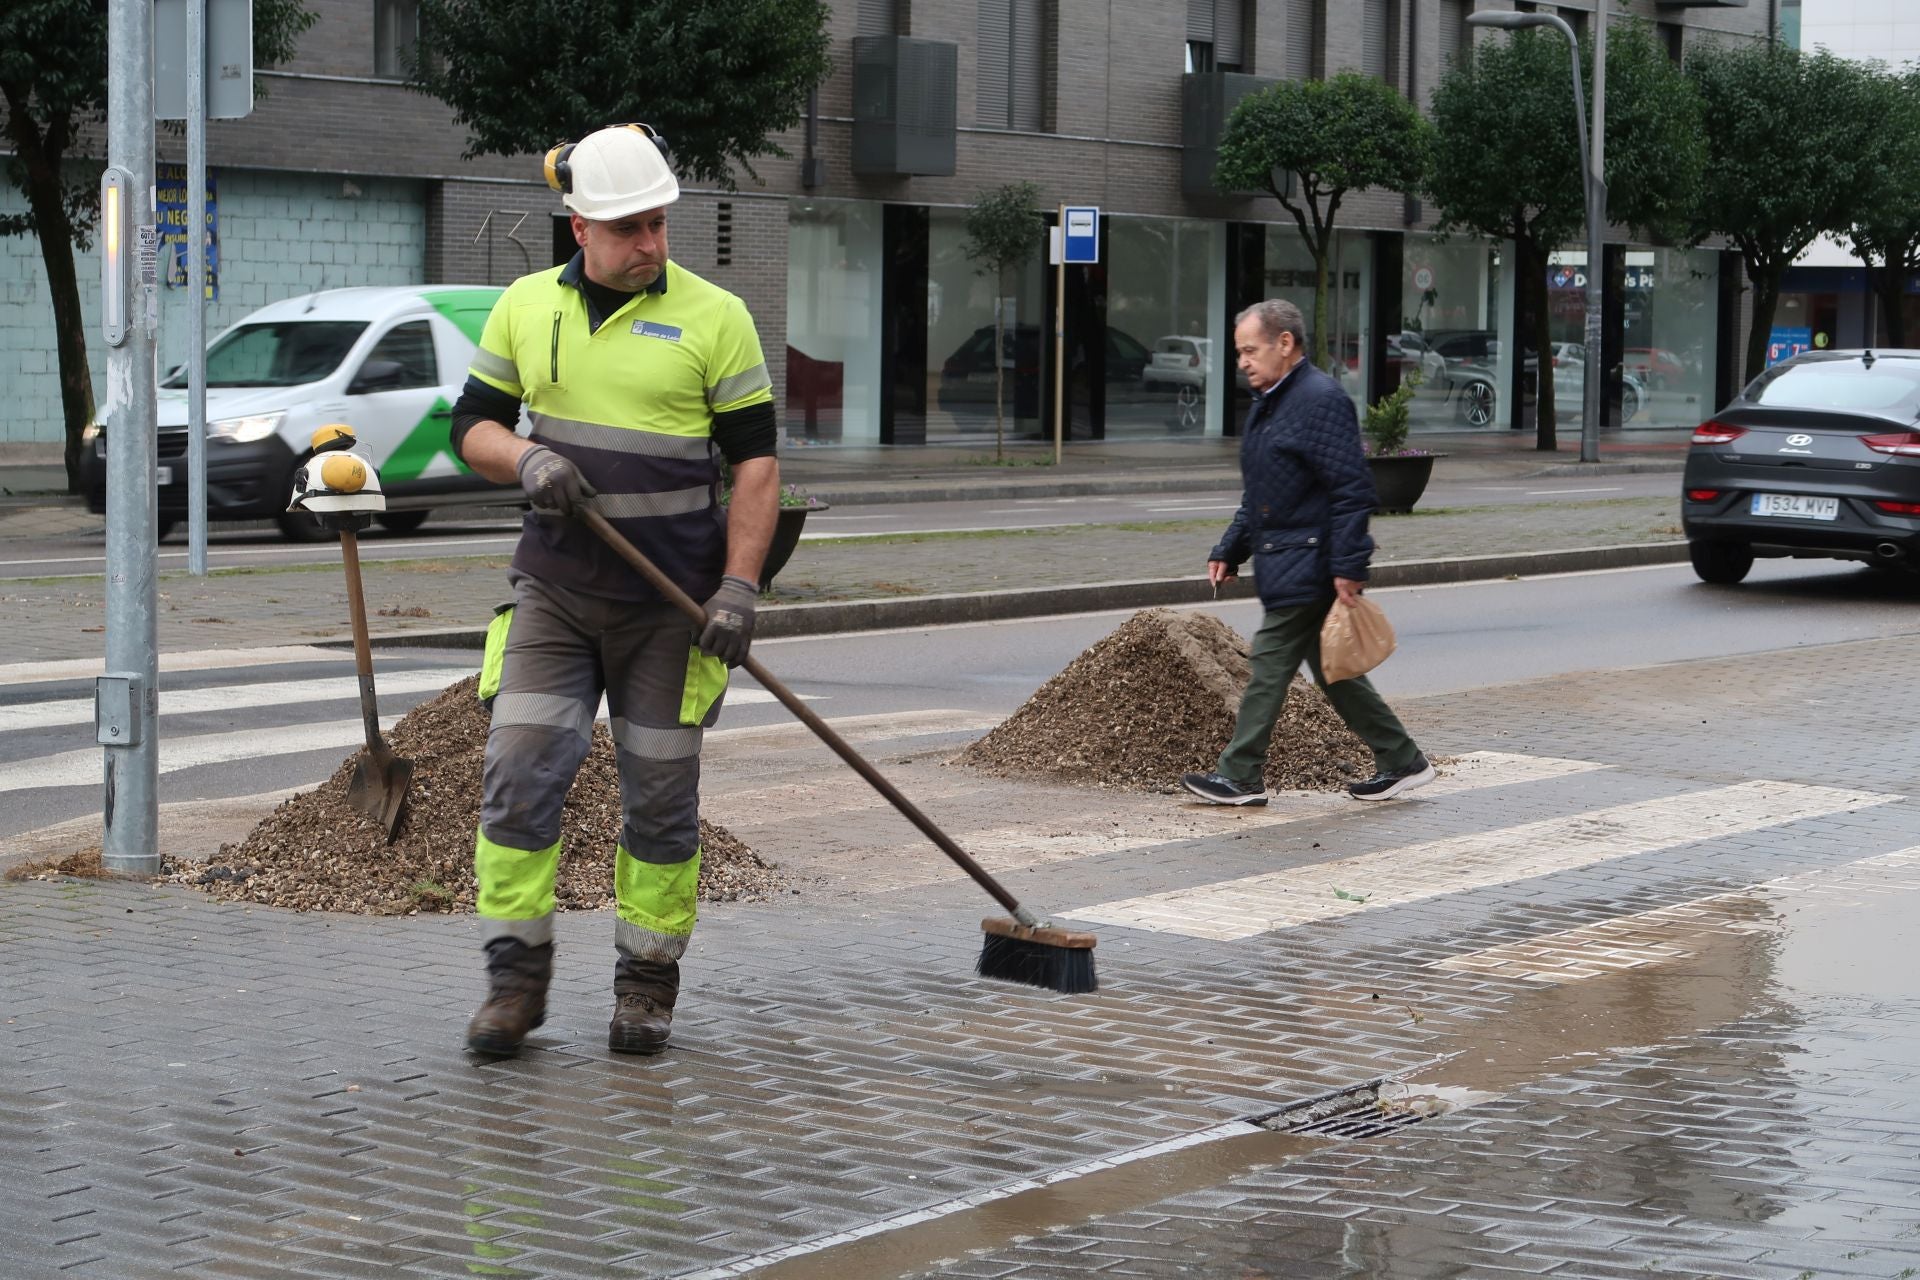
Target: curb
x,y
1198,479
1612,468
784,621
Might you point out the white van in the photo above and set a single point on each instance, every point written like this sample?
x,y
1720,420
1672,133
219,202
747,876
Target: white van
x,y
389,362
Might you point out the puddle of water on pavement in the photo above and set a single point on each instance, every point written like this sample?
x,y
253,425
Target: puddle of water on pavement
x,y
1756,952
1043,1209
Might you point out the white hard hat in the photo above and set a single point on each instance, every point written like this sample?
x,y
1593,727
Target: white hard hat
x,y
612,173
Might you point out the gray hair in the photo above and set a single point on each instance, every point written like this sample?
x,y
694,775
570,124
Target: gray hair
x,y
1276,316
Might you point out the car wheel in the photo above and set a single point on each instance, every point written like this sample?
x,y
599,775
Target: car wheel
x,y
1477,404
1629,404
1721,563
401,521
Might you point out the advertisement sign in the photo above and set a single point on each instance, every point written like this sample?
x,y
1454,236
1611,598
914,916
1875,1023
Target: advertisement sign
x,y
170,196
1784,344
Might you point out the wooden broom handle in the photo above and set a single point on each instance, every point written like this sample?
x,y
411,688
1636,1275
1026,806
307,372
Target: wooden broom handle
x,y
822,730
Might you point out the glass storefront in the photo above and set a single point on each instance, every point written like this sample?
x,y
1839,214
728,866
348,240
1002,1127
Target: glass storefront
x,y
1455,330
1165,356
1671,328
962,301
1290,275
833,322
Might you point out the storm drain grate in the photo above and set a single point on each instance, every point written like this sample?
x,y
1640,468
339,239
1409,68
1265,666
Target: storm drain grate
x,y
1351,1114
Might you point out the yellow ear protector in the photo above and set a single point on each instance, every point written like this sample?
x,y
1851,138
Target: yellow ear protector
x,y
560,174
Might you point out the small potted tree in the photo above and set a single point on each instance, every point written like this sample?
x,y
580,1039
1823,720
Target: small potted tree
x,y
1400,474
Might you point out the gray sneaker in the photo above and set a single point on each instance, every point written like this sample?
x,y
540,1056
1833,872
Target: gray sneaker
x,y
1216,789
1385,786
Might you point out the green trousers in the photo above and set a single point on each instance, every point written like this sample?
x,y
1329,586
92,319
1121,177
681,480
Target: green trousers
x,y
1288,636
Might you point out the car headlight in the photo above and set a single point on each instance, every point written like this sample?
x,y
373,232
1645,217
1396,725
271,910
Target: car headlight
x,y
242,430
90,433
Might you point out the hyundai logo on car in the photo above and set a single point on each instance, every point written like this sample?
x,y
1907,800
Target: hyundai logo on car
x,y
1799,441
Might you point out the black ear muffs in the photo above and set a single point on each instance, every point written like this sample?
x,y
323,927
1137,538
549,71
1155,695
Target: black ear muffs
x,y
559,173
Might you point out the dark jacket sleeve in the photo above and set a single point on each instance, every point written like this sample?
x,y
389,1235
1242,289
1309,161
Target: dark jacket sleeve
x,y
479,402
1341,468
1237,542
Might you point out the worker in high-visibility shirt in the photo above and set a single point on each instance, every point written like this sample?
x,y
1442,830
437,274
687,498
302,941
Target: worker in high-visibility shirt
x,y
637,375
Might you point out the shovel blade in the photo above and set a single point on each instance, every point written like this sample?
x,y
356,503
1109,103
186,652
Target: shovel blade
x,y
378,789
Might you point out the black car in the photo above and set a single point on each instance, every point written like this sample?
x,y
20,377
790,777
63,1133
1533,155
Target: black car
x,y
1818,457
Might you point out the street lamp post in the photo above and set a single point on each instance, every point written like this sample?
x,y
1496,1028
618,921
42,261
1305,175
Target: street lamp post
x,y
1592,161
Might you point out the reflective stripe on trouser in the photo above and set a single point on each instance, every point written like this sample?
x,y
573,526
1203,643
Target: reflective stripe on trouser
x,y
557,646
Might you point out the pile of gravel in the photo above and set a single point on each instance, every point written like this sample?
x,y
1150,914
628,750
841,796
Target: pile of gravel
x,y
315,853
1157,699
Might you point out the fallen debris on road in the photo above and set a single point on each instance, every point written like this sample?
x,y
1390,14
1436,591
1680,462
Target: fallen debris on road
x,y
1156,699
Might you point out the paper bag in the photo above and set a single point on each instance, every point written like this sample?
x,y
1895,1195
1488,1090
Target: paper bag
x,y
1354,639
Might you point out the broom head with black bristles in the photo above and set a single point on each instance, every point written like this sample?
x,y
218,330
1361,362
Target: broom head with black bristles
x,y
1039,956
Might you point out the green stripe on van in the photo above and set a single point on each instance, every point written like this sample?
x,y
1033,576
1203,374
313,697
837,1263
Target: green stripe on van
x,y
467,309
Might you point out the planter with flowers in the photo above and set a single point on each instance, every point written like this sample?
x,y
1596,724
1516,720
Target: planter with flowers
x,y
794,505
1400,474
795,502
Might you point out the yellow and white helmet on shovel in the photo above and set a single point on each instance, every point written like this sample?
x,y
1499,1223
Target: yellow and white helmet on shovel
x,y
339,479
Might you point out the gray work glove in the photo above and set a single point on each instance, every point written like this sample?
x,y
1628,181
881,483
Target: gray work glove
x,y
554,484
729,628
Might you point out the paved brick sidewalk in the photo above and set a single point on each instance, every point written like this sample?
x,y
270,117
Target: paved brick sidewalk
x,y
225,1091
61,618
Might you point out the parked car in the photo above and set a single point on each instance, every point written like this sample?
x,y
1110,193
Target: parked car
x,y
1818,457
389,362
967,376
1178,361
1656,366
1472,382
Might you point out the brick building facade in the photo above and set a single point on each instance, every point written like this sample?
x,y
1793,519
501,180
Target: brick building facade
x,y
837,266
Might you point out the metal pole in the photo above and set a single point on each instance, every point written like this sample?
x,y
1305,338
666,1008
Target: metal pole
x,y
1060,341
1590,406
130,842
1596,185
197,288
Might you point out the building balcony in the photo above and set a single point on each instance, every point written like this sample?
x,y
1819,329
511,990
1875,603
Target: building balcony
x,y
904,96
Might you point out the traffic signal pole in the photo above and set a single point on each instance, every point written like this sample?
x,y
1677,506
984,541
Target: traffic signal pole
x,y
126,696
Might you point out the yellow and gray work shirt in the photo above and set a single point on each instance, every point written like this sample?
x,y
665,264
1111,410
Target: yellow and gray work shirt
x,y
631,398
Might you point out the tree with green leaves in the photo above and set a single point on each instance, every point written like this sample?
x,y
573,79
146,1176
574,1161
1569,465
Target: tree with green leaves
x,y
1886,229
1004,230
717,77
53,81
1309,143
1791,154
1507,162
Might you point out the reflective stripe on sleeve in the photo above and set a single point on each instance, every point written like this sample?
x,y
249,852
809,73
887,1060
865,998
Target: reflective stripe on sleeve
x,y
495,369
740,385
670,502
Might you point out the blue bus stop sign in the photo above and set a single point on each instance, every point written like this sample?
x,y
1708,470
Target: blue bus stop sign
x,y
1081,241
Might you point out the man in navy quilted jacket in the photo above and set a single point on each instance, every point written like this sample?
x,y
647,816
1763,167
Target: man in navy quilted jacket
x,y
1307,494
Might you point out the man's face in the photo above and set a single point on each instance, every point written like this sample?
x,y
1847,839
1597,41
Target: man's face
x,y
1264,360
627,253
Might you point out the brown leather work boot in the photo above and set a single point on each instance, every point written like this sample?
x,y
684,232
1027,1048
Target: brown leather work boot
x,y
517,977
643,996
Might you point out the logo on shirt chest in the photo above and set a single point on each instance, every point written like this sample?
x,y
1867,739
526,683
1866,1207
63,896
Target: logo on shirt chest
x,y
648,329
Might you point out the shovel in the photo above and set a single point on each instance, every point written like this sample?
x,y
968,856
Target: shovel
x,y
380,778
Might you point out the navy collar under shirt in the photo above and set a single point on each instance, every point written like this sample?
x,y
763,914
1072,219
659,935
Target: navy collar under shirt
x,y
601,301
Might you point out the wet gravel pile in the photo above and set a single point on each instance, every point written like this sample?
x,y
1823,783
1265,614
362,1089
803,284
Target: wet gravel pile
x,y
1156,699
315,853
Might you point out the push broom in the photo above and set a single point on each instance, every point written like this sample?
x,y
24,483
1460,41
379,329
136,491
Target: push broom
x,y
1023,949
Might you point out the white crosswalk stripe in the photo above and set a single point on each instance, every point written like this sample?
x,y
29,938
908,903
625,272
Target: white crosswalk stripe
x,y
292,694
82,768
1390,877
